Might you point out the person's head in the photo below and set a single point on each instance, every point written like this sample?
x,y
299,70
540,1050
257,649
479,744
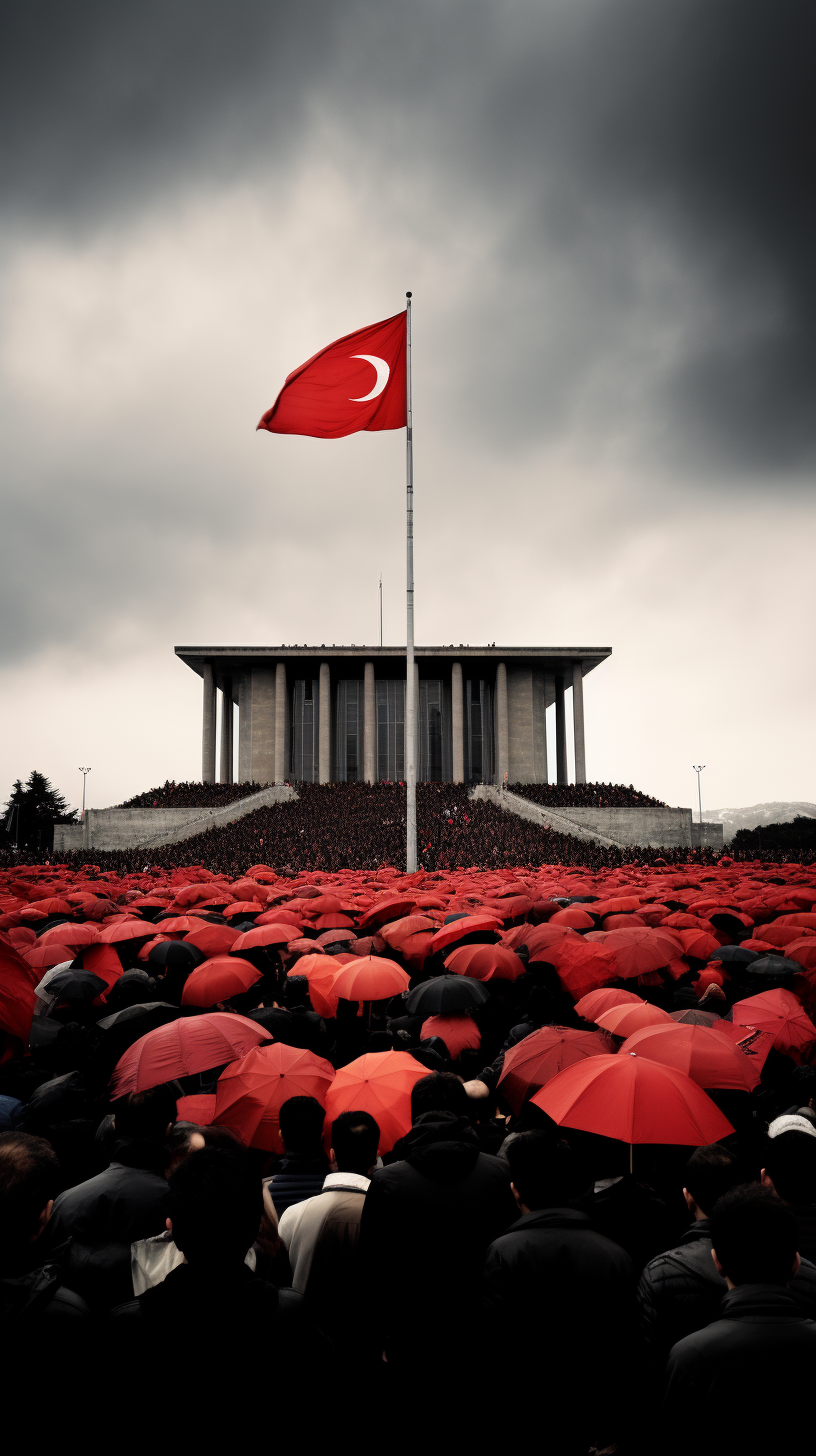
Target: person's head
x,y
481,1100
301,1124
438,1092
29,1183
355,1137
145,1114
545,1173
183,1139
754,1237
216,1203
710,1172
790,1167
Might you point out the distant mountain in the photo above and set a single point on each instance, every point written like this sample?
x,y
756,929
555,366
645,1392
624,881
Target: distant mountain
x,y
757,815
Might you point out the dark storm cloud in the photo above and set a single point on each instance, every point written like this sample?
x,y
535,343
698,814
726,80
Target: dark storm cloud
x,y
600,133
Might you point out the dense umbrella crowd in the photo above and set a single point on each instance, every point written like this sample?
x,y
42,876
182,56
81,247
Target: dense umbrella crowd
x,y
567,1107
191,795
590,796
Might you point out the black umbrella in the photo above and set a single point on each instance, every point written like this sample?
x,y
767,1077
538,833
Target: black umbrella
x,y
176,953
141,1018
444,995
735,954
76,985
767,965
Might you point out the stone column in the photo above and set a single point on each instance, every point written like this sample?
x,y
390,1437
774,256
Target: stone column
x,y
502,731
245,728
324,726
225,775
560,732
262,725
458,724
369,726
208,729
280,722
578,721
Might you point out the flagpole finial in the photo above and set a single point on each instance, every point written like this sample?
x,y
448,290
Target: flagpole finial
x,y
409,294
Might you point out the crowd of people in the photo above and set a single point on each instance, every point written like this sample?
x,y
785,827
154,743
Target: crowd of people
x,y
191,795
589,796
487,1263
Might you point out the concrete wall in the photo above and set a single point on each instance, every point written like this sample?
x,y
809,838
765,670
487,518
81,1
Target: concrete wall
x,y
527,729
132,828
653,828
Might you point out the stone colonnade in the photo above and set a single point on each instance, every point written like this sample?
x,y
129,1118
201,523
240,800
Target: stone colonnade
x,y
521,698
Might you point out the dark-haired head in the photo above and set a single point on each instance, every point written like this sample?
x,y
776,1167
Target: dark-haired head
x,y
215,1202
355,1137
546,1173
710,1172
301,1124
439,1092
29,1182
754,1237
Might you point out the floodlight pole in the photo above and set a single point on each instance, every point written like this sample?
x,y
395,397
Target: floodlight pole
x,y
410,703
698,768
381,641
84,772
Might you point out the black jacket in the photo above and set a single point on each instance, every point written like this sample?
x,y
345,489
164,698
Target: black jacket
x,y
555,1286
258,1332
426,1224
680,1291
105,1215
742,1383
632,1215
300,1176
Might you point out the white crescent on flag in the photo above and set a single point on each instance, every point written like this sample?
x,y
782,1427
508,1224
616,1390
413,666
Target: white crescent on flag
x,y
383,371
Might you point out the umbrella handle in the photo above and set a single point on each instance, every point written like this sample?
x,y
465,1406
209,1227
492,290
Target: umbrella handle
x,y
630,1159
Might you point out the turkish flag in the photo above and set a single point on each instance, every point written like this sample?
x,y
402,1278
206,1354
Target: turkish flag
x,y
356,383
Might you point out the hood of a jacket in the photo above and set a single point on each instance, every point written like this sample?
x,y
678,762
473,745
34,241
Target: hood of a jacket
x,y
561,1217
700,1229
441,1146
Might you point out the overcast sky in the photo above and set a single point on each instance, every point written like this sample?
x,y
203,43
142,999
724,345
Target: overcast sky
x,y
605,210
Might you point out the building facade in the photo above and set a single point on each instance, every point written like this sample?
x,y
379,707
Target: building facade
x,y
334,714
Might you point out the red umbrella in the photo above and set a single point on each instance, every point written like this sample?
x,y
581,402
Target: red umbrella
x,y
575,917
333,922
457,1032
386,910
803,951
593,1005
191,1044
542,1055
398,931
70,935
212,939
265,935
781,1012
124,930
709,1058
485,962
53,905
379,1083
699,944
458,929
581,965
198,1107
370,978
250,1092
43,957
638,951
633,1100
218,979
622,922
624,1020
179,924
17,1002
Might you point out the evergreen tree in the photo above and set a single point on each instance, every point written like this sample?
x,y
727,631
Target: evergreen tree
x,y
33,808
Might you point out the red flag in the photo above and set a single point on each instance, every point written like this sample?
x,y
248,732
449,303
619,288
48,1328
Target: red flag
x,y
356,383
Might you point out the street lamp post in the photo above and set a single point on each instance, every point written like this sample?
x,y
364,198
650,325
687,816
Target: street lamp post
x,y
84,772
698,768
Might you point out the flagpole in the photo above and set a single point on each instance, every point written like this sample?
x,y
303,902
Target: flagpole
x,y
410,700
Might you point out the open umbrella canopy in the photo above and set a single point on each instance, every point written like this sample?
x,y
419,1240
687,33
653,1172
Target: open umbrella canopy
x,y
708,1057
633,1100
187,1045
378,1083
782,1013
591,1006
250,1092
217,979
533,1062
624,1020
175,953
370,978
397,932
124,930
262,935
457,1032
485,962
212,940
459,929
76,985
68,934
445,995
43,957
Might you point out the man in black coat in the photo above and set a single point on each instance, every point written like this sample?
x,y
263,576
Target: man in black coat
x,y
105,1215
33,1298
741,1383
428,1219
562,1293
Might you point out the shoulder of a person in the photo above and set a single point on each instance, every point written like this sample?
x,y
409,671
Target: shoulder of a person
x,y
700,1344
130,1309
